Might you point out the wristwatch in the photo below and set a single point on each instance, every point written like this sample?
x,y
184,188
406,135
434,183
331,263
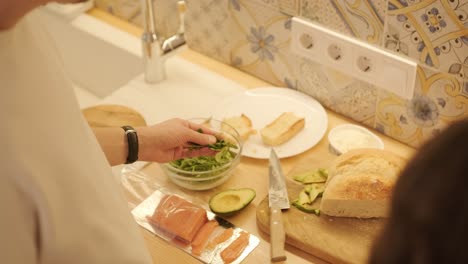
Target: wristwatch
x,y
132,139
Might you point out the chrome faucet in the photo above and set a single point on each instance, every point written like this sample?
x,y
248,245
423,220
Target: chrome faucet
x,y
155,50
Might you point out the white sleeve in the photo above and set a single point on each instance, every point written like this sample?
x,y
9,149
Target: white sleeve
x,y
18,228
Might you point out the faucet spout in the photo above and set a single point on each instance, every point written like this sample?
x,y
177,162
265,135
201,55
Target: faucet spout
x,y
154,50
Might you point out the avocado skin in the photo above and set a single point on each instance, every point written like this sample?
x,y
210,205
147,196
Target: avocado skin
x,y
306,208
245,195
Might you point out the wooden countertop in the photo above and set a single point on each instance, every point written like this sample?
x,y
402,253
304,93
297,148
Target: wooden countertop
x,y
251,173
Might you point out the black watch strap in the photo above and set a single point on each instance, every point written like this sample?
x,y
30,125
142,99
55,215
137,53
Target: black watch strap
x,y
132,139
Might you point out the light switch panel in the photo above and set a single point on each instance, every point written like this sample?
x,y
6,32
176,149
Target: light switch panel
x,y
354,57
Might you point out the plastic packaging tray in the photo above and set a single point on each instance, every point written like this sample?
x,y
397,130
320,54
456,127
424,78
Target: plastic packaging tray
x,y
211,256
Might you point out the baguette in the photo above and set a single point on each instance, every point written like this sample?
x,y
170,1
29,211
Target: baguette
x,y
242,124
282,129
360,184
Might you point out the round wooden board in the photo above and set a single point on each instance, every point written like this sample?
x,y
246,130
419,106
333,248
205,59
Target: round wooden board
x,y
113,116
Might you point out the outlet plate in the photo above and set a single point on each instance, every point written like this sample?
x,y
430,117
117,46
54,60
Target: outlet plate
x,y
356,58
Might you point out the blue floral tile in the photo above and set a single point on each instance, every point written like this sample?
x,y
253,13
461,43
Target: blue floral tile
x,y
439,99
262,43
263,48
432,32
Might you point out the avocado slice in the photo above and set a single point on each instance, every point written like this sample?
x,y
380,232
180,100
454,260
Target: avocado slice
x,y
307,197
230,202
303,198
314,191
306,208
314,176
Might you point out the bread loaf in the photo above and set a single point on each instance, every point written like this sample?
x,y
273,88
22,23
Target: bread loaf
x,y
282,129
360,183
242,124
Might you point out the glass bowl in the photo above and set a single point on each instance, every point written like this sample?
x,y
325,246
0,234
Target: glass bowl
x,y
208,179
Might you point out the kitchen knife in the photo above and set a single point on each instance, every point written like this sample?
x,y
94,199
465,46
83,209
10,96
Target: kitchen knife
x,y
278,200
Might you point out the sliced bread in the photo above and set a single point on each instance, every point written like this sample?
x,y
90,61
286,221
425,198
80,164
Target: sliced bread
x,y
282,129
242,124
360,183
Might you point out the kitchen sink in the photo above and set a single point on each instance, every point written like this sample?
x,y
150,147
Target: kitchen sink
x,y
106,68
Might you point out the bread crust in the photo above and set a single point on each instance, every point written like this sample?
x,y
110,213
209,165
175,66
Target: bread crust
x,y
242,124
276,133
361,182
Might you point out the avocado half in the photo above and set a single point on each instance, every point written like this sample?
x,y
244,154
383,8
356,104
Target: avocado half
x,y
230,202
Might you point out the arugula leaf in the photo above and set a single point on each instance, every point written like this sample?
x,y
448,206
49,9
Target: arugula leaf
x,y
206,163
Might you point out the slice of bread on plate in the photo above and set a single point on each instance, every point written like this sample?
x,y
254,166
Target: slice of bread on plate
x,y
360,183
242,124
282,129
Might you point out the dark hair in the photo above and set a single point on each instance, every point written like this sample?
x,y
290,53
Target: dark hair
x,y
429,214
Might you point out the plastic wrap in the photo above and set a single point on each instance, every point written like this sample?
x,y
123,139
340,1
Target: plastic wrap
x,y
190,227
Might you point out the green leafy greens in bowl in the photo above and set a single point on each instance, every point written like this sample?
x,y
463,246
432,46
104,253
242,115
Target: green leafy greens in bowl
x,y
206,172
206,163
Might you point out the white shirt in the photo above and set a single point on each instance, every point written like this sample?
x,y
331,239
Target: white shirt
x,y
58,200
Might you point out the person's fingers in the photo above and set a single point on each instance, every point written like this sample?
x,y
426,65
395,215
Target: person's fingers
x,y
205,129
201,138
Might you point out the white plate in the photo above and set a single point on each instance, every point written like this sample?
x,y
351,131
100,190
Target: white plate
x,y
263,105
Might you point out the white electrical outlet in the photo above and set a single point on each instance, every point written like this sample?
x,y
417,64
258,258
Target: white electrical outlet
x,y
354,57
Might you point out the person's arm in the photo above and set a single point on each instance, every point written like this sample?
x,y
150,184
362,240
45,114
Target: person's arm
x,y
113,142
162,142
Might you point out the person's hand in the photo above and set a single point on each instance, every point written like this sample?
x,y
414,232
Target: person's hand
x,y
170,140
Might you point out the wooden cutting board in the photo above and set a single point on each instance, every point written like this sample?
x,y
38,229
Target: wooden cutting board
x,y
110,115
334,239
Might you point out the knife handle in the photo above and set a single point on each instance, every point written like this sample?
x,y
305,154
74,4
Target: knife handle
x,y
277,235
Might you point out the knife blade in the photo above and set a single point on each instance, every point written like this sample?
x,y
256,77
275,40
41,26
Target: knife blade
x,y
278,200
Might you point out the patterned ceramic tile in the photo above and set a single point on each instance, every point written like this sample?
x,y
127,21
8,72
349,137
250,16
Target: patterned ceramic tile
x,y
263,49
439,99
290,7
433,32
324,13
165,11
209,28
315,83
255,36
363,18
380,7
339,92
357,101
166,17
